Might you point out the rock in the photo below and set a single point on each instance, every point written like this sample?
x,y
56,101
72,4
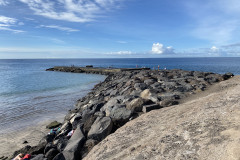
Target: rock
x,y
120,115
169,85
72,150
53,124
135,93
149,81
100,128
150,107
39,149
48,138
145,94
166,103
88,123
99,114
140,86
24,142
169,96
69,116
227,75
39,157
48,147
59,156
136,105
90,143
51,153
149,94
61,143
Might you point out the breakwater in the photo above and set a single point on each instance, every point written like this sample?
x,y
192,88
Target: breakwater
x,y
124,95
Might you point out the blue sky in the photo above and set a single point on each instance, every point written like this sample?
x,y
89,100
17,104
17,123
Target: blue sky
x,y
119,28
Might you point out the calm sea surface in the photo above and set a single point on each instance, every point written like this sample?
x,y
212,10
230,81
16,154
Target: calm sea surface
x,y
29,94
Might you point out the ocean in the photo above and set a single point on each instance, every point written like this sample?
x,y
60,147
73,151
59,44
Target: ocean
x,y
29,94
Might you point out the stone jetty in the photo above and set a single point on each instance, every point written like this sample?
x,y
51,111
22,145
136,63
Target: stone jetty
x,y
124,95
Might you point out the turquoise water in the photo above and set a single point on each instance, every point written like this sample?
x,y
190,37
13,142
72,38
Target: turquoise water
x,y
29,94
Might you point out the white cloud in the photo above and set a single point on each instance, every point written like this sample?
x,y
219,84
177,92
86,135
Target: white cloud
x,y
158,48
60,28
3,2
7,20
72,10
214,49
6,23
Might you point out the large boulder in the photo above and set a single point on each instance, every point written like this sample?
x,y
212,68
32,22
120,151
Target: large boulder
x,y
90,143
120,115
39,157
148,94
72,150
100,128
136,105
51,153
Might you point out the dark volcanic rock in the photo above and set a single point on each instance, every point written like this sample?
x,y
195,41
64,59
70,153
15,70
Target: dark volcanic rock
x,y
90,143
150,107
39,157
120,115
51,153
72,150
100,128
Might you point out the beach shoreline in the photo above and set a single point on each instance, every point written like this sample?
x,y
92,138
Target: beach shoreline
x,y
133,83
13,140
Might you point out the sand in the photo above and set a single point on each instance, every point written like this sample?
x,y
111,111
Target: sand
x,y
14,139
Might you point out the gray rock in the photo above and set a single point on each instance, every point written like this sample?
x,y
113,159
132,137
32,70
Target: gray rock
x,y
100,128
90,143
72,150
51,153
136,105
38,157
59,156
135,93
48,147
149,81
120,115
150,107
140,86
227,75
169,85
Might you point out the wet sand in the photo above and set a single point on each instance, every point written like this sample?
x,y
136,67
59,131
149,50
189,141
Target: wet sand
x,y
14,139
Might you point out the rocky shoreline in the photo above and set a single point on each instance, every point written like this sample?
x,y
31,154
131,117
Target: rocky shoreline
x,y
124,95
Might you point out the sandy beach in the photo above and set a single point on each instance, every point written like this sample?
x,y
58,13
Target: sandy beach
x,y
14,140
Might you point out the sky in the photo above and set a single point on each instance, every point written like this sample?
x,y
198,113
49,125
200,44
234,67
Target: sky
x,y
119,28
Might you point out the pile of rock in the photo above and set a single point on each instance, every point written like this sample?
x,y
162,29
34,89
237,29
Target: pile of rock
x,y
122,97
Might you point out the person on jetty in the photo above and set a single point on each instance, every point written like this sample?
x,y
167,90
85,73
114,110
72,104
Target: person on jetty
x,y
22,157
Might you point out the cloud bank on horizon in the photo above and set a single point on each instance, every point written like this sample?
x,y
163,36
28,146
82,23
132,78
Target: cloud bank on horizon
x,y
119,28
